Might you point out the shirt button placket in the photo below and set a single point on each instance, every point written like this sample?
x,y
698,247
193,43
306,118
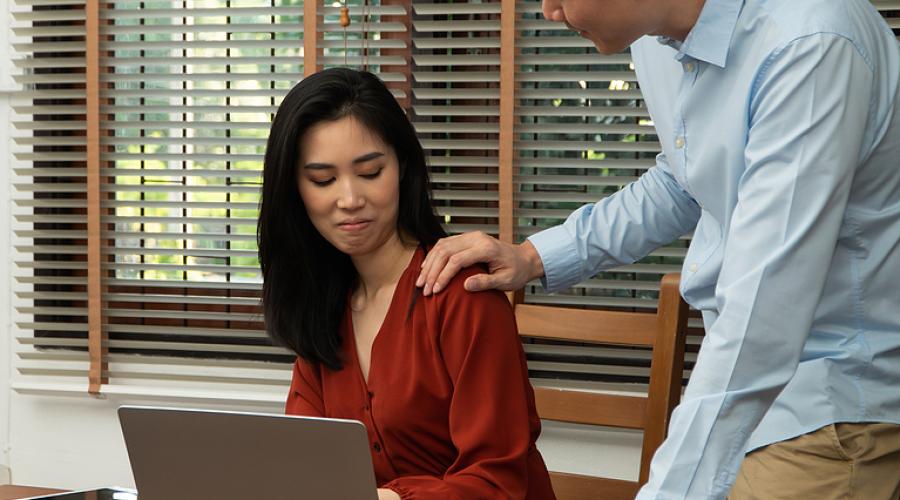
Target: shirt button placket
x,y
689,67
368,406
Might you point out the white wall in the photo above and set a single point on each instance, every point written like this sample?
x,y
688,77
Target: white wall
x,y
5,275
73,440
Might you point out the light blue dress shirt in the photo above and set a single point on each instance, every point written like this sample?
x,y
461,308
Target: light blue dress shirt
x,y
780,127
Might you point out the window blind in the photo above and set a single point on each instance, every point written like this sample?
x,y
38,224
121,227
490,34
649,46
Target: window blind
x,y
456,75
187,91
50,209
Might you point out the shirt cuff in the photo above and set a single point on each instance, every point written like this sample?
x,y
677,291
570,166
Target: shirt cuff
x,y
559,256
404,492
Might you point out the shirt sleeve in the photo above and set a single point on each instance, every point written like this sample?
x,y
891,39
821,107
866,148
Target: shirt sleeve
x,y
620,229
490,423
305,395
807,117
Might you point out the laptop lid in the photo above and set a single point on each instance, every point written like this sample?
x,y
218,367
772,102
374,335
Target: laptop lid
x,y
95,494
198,454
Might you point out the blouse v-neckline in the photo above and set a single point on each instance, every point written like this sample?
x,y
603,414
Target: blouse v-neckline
x,y
366,379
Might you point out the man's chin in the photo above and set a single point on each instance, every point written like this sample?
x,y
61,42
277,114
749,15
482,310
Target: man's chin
x,y
609,48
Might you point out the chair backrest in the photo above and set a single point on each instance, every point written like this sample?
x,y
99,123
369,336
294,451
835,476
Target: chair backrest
x,y
664,332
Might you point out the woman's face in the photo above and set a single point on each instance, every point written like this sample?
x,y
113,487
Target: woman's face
x,y
349,181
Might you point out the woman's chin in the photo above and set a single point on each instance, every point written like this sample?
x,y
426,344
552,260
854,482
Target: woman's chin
x,y
355,248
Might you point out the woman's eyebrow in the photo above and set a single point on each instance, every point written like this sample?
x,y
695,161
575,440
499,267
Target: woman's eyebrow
x,y
362,159
318,166
368,156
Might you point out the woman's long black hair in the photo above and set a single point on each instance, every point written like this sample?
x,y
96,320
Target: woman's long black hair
x,y
306,280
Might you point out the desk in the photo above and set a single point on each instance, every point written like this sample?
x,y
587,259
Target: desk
x,y
11,492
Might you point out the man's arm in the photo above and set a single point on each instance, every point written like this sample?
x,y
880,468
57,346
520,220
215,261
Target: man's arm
x,y
808,117
621,228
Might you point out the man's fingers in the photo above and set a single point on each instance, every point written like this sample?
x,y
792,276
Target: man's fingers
x,y
431,273
439,255
441,251
508,264
457,261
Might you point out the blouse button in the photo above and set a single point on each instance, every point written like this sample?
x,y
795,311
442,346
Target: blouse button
x,y
377,448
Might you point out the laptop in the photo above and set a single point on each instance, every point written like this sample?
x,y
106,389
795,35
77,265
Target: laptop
x,y
200,454
95,494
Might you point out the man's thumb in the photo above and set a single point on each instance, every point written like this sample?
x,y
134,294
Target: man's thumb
x,y
480,282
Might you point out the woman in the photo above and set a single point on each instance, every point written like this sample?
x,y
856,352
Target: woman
x,y
345,221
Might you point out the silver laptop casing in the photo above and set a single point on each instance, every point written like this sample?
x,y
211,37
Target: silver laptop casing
x,y
186,454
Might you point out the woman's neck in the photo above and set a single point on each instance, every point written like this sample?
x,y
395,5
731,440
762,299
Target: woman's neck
x,y
381,269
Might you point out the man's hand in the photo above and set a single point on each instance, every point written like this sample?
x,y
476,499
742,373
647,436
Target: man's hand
x,y
386,494
510,266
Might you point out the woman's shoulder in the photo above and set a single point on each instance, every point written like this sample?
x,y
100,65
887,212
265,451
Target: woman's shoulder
x,y
463,320
455,296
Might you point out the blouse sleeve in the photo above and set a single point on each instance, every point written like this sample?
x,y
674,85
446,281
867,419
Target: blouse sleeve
x,y
305,396
489,417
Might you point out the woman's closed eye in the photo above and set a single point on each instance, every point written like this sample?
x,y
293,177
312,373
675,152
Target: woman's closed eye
x,y
322,182
373,174
325,182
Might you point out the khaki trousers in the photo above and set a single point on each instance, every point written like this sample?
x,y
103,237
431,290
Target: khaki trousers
x,y
836,462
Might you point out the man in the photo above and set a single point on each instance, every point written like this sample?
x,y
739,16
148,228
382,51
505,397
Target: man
x,y
780,128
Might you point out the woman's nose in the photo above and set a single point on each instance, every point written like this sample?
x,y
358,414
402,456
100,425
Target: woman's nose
x,y
350,197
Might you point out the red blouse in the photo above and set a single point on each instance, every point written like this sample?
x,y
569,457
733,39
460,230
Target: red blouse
x,y
448,406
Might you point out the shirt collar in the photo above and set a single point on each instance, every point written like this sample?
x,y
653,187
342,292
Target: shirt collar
x,y
710,38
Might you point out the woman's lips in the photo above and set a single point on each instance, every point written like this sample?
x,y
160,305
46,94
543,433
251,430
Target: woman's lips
x,y
352,226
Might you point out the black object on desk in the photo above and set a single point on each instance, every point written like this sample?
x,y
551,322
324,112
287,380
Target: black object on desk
x,y
101,494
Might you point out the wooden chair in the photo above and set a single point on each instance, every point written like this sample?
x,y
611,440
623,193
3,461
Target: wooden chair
x,y
664,332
